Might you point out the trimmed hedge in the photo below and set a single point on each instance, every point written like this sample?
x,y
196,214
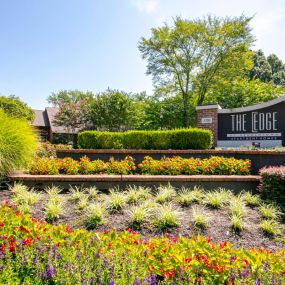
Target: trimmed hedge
x,y
173,139
273,184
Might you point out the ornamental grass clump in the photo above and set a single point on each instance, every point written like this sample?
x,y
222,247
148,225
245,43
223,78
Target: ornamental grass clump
x,y
95,215
82,204
200,217
187,196
237,222
53,193
270,227
138,214
76,193
116,200
165,193
133,195
270,212
236,207
22,195
217,199
251,199
92,192
167,216
18,144
184,197
53,210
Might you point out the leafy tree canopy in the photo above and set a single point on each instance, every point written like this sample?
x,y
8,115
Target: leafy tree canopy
x,y
268,69
69,96
191,54
116,110
14,107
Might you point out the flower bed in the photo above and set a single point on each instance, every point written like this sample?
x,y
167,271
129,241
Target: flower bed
x,y
193,166
33,252
69,166
167,166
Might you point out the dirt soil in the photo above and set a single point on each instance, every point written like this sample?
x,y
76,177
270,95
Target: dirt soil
x,y
219,229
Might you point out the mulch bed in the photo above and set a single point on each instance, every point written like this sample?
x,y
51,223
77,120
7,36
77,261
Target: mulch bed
x,y
219,229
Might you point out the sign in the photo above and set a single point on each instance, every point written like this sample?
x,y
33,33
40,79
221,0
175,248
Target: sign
x,y
206,120
263,123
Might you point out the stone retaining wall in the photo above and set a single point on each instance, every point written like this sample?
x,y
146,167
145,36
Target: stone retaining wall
x,y
235,182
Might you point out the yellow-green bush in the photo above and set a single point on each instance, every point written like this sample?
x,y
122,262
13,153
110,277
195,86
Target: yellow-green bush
x,y
171,139
18,143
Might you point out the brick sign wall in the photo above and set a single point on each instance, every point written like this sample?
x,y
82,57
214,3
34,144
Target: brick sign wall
x,y
262,124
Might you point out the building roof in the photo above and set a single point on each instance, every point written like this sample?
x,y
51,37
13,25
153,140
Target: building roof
x,y
45,118
41,119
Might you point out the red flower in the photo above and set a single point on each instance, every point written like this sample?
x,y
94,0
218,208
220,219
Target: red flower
x,y
29,241
2,224
209,239
223,244
23,229
199,280
188,259
5,203
171,273
68,229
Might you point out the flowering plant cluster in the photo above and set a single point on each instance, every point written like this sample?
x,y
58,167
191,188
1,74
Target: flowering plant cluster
x,y
34,252
190,166
52,166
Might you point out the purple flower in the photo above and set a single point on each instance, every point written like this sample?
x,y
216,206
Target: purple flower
x,y
137,282
49,272
112,282
233,277
267,266
257,281
152,280
232,259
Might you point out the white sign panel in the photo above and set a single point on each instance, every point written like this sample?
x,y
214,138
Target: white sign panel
x,y
206,120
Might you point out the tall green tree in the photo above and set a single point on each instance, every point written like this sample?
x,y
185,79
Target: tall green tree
x,y
14,107
268,69
115,110
69,96
73,116
189,55
243,92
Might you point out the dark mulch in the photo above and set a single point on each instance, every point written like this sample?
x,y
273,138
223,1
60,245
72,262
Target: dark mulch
x,y
220,229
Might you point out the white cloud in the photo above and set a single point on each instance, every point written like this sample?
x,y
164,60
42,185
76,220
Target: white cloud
x,y
146,6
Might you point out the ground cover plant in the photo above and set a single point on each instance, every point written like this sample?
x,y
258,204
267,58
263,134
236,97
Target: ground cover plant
x,y
192,138
34,252
155,212
165,166
191,166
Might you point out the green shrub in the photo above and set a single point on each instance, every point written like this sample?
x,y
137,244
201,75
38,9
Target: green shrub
x,y
18,144
273,185
173,139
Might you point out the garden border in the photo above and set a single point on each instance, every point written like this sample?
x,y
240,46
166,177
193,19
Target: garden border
x,y
235,182
259,158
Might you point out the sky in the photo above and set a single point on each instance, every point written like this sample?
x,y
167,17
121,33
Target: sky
x,y
51,45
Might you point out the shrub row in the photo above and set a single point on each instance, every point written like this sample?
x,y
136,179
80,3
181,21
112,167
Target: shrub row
x,y
69,166
173,139
33,252
273,184
190,166
169,166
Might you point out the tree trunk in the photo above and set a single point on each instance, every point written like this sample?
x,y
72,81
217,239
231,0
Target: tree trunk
x,y
185,110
